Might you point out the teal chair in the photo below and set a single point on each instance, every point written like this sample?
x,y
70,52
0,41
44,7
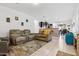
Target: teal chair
x,y
69,38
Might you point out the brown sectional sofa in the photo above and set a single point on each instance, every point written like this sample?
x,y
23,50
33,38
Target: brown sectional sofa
x,y
19,36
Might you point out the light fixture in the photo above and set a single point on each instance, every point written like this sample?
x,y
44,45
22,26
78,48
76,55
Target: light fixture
x,y
17,3
35,3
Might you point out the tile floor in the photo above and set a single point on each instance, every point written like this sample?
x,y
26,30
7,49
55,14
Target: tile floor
x,y
51,48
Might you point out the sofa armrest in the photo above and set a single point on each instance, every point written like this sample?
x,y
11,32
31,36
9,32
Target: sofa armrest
x,y
4,46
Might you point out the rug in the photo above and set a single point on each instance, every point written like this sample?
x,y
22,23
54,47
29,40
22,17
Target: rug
x,y
26,49
61,53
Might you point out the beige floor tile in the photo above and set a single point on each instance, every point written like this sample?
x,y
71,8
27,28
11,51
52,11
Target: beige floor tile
x,y
51,48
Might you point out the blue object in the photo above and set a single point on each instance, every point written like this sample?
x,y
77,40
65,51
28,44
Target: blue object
x,y
69,38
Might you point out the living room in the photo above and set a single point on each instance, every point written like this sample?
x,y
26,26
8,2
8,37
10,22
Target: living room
x,y
21,25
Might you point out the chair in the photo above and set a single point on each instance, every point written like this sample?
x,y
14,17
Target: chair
x,y
44,37
69,38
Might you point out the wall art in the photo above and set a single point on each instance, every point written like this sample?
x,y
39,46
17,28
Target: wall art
x,y
16,18
26,20
7,19
22,23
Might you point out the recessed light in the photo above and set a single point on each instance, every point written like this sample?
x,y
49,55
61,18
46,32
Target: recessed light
x,y
35,3
17,3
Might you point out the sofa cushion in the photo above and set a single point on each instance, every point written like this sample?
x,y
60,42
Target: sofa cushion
x,y
26,31
20,39
46,31
14,31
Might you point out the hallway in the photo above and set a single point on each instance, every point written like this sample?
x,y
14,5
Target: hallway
x,y
54,46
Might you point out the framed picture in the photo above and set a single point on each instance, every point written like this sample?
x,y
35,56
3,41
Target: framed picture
x,y
7,19
22,23
41,24
16,18
26,20
45,23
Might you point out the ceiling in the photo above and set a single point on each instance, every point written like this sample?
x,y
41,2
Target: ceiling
x,y
59,11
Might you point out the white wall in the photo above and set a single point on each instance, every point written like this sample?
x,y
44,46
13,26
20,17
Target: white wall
x,y
75,21
53,12
5,27
36,22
